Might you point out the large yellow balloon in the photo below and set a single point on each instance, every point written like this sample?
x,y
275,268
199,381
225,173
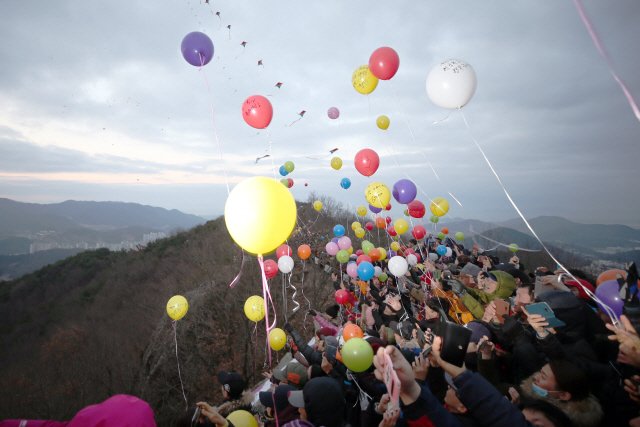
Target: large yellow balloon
x,y
177,307
439,206
254,308
317,205
383,122
277,338
360,232
362,211
383,253
395,246
336,163
242,418
260,214
401,226
363,80
378,195
356,225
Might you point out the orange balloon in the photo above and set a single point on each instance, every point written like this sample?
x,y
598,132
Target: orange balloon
x,y
374,254
381,223
304,251
445,230
610,275
352,331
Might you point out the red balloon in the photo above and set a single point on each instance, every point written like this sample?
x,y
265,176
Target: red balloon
x,y
392,231
380,222
257,111
363,258
418,232
283,250
342,296
418,256
290,182
270,268
359,252
416,209
388,219
388,208
384,63
367,162
305,184
369,226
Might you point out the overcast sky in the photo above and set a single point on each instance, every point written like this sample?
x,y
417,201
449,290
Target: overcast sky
x,y
97,103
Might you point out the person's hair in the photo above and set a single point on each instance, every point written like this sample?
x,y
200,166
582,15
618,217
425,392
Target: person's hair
x,y
519,274
463,259
414,241
316,371
551,412
530,288
570,378
579,274
437,303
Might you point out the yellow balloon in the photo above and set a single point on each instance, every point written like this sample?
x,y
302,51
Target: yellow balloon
x,y
360,232
355,225
383,253
363,80
317,205
336,163
254,308
362,211
242,418
383,122
278,338
260,214
177,307
378,195
350,250
395,246
439,206
401,225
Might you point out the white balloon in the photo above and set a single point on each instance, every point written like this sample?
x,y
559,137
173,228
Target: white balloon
x,y
377,271
374,216
398,266
451,84
449,253
412,260
285,264
433,256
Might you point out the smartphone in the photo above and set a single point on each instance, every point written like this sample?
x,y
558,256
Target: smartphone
x,y
543,309
392,382
426,351
455,340
541,287
502,307
481,346
196,416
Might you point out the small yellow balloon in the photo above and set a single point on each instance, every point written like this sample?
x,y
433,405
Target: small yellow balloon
x,y
336,163
356,225
363,80
242,418
360,232
362,211
378,195
350,250
260,214
439,206
317,205
401,226
177,307
383,253
254,308
395,246
383,122
278,339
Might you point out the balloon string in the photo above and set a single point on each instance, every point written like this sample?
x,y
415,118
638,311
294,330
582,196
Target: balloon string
x,y
271,155
284,298
175,338
305,297
609,311
293,297
605,55
236,280
501,244
265,292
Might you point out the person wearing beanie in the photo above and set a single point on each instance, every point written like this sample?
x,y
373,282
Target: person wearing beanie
x,y
320,403
495,284
469,275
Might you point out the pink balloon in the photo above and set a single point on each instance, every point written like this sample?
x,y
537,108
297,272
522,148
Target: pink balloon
x,y
344,243
362,258
332,248
352,270
384,63
333,113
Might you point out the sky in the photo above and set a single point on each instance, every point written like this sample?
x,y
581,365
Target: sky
x,y
97,103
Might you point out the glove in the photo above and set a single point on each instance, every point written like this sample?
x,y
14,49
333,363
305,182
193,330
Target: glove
x,y
457,287
288,327
313,313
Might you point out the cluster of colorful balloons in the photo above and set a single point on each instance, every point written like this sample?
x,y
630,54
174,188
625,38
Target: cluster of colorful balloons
x,y
357,353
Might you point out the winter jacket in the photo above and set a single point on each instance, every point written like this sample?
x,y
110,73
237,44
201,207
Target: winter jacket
x,y
312,356
426,411
476,300
288,414
244,403
324,323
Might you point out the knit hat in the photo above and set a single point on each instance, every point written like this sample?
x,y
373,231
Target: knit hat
x,y
471,269
583,294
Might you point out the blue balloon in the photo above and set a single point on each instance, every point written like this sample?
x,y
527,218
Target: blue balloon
x,y
442,250
345,183
366,270
322,238
338,230
283,171
350,262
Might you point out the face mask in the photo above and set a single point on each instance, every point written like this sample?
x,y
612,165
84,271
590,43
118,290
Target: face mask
x,y
542,392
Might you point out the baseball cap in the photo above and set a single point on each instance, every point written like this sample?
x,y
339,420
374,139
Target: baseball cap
x,y
232,383
489,275
293,372
449,380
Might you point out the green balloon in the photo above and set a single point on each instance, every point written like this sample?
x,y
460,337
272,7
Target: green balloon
x,y
289,166
396,237
434,219
366,247
383,277
441,235
342,256
357,354
406,212
513,247
460,236
285,182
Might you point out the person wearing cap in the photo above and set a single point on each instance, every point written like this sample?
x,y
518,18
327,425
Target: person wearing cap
x,y
496,284
277,404
320,403
293,374
235,396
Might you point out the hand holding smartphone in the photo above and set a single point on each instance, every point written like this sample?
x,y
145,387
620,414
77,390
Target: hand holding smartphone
x,y
392,382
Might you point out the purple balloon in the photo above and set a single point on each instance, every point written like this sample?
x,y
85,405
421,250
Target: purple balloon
x,y
333,113
197,48
335,240
374,209
404,191
609,293
344,243
332,248
391,253
352,270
